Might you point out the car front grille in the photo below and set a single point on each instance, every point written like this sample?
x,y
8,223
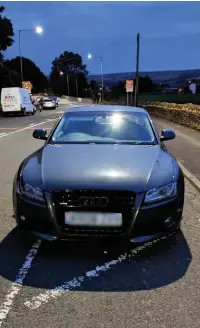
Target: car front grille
x,y
94,201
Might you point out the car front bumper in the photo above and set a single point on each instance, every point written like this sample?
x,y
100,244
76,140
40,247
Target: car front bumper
x,y
145,223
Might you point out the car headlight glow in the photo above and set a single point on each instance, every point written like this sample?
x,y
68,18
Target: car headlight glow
x,y
32,192
161,193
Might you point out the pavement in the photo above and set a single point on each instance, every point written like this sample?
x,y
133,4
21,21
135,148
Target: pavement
x,y
63,285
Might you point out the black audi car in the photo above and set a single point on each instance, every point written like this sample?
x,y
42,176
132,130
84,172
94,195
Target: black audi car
x,y
103,172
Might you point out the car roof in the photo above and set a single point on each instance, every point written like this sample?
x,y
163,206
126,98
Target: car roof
x,y
103,108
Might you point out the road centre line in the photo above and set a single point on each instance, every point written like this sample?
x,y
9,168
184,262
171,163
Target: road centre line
x,y
27,127
17,285
44,298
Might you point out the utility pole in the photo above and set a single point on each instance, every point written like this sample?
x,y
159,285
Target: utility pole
x,y
137,70
68,84
76,86
102,94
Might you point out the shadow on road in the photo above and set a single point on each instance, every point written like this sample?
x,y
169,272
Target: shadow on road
x,y
155,266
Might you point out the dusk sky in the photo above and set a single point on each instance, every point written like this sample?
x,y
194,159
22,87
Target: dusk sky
x,y
170,33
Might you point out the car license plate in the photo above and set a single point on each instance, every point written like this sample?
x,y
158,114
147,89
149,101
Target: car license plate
x,y
93,219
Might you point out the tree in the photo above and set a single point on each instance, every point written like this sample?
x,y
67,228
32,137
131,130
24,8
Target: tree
x,y
8,78
6,31
94,89
31,73
118,90
145,84
71,66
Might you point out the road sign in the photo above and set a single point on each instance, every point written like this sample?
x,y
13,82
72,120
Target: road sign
x,y
129,85
27,85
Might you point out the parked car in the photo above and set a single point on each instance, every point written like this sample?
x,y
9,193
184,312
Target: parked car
x,y
103,173
54,98
16,101
49,103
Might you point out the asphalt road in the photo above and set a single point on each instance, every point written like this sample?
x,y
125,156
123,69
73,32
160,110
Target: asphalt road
x,y
185,147
14,123
62,285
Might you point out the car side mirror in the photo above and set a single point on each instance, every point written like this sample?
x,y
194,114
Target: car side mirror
x,y
167,134
40,134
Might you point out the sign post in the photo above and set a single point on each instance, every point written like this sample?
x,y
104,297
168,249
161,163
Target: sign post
x,y
129,88
27,85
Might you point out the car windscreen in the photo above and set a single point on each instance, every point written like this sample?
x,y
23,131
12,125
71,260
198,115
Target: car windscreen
x,y
104,127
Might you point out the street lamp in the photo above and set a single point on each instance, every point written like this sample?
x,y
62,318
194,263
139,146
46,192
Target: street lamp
x,y
38,30
101,59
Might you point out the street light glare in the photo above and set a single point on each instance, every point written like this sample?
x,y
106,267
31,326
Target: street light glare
x,y
61,73
39,29
89,56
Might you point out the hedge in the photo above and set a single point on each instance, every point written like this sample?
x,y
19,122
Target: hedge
x,y
182,98
186,114
183,114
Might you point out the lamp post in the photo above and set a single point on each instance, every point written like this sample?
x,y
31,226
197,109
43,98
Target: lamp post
x,y
102,82
38,30
137,70
61,73
76,86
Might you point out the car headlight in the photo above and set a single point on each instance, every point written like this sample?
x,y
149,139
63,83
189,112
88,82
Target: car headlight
x,y
161,193
32,192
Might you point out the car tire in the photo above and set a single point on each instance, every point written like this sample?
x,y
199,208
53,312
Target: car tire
x,y
24,112
33,112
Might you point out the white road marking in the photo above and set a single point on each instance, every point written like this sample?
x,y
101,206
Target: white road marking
x,y
27,127
44,298
17,285
2,134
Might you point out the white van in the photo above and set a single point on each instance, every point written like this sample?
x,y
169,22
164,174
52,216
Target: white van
x,y
16,100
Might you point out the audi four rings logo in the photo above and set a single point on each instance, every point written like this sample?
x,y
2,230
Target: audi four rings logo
x,y
93,201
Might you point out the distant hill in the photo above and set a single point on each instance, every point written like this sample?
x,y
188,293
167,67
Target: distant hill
x,y
173,78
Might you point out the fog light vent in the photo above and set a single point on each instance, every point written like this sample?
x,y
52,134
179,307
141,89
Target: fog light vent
x,y
169,222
